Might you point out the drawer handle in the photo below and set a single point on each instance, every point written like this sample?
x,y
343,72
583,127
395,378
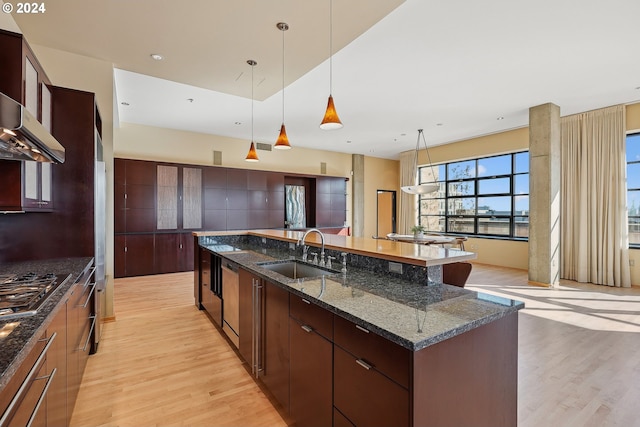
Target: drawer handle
x,y
305,301
307,328
49,378
36,366
364,364
93,325
93,287
362,329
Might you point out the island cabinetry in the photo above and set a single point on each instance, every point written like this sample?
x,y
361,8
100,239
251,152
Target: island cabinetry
x,y
311,363
210,285
371,377
264,333
58,412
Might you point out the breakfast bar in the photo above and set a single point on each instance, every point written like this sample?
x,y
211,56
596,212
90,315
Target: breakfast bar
x,y
383,340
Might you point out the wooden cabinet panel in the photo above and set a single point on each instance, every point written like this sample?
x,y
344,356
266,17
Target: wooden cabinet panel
x,y
166,251
365,396
386,356
311,368
257,180
338,202
258,199
237,179
215,198
275,374
339,420
312,315
185,252
140,172
276,201
214,177
245,315
120,255
140,220
191,198
258,219
139,254
237,199
237,219
275,182
323,185
140,196
57,411
276,219
215,220
167,198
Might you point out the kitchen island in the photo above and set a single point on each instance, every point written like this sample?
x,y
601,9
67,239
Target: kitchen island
x,y
369,346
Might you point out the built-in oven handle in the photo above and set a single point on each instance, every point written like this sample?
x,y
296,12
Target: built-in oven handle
x,y
49,378
93,288
25,384
93,325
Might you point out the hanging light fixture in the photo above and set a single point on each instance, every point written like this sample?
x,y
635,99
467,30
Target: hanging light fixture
x,y
252,155
282,142
425,188
331,120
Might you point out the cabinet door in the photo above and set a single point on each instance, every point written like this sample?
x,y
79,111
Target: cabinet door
x,y
365,396
185,252
120,255
57,412
275,374
311,369
139,254
31,183
245,315
167,198
191,198
166,251
31,97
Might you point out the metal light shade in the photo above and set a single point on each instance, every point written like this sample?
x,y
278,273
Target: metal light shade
x,y
252,155
282,143
421,188
331,120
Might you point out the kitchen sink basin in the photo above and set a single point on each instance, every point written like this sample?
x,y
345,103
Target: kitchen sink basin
x,y
295,269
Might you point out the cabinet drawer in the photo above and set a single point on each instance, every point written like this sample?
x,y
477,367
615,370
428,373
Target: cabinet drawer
x,y
312,315
365,396
384,355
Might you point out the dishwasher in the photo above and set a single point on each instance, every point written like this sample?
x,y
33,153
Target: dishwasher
x,y
231,301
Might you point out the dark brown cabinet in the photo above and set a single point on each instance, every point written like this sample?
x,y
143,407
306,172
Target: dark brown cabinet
x,y
264,333
58,413
27,186
275,369
311,363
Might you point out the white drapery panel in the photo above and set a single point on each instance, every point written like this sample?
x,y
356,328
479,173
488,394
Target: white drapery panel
x,y
408,174
594,240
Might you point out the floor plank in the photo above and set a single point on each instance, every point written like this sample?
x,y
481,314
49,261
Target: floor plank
x,y
163,363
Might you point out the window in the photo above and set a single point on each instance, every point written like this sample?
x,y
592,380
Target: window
x,y
633,188
488,196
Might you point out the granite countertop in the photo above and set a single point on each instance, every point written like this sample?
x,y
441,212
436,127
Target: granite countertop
x,y
19,335
409,253
409,314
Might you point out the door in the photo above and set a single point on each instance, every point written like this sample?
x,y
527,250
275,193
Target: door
x,y
295,206
386,212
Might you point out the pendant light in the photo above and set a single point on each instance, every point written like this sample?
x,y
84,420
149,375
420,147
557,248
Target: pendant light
x,y
282,143
252,155
424,188
331,120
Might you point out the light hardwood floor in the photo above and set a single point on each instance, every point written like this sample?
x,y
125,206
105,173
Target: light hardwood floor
x,y
163,363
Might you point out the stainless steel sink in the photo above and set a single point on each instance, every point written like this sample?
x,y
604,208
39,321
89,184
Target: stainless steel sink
x,y
295,269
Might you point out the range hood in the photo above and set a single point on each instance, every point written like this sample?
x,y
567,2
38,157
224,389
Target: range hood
x,y
22,136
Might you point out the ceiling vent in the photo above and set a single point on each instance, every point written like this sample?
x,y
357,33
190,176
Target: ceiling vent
x,y
263,147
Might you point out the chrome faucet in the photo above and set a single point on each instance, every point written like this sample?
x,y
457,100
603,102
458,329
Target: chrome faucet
x,y
304,236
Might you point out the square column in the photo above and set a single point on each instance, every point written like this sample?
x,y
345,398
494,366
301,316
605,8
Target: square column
x,y
544,194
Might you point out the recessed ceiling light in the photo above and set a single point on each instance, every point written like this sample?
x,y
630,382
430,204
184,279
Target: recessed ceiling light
x,y
237,123
157,57
190,99
500,118
348,142
126,104
439,124
403,134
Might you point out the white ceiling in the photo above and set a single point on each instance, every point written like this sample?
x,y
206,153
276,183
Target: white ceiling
x,y
451,67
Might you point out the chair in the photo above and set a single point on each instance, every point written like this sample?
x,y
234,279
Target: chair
x,y
456,273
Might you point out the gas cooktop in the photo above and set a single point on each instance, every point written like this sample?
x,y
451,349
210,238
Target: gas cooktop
x,y
23,294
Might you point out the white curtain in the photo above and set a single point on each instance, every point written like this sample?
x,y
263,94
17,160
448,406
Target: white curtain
x,y
594,240
408,174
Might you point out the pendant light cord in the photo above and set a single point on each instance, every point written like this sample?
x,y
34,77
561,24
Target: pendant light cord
x,y
252,65
433,175
330,47
283,30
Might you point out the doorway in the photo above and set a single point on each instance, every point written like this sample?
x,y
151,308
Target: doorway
x,y
386,222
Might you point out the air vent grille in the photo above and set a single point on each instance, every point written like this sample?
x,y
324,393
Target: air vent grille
x,y
263,147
